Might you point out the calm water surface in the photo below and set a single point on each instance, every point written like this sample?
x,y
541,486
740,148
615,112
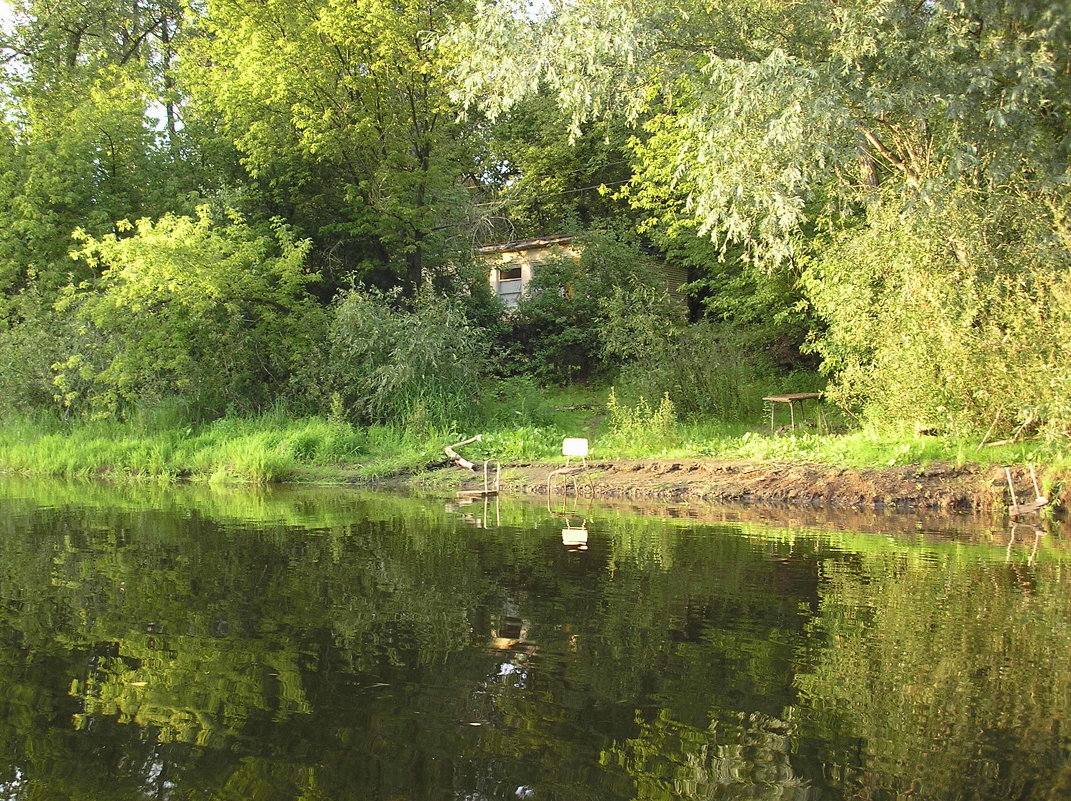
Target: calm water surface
x,y
198,644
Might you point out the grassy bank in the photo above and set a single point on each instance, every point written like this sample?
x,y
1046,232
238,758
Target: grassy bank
x,y
275,447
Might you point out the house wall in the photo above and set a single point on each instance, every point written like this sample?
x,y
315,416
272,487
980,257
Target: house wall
x,y
675,277
512,264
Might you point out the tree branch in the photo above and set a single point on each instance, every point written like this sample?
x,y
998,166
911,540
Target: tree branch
x,y
909,173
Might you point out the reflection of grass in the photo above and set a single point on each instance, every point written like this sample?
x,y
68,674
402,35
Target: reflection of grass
x,y
632,535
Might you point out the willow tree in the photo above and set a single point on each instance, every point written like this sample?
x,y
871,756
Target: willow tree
x,y
889,153
340,109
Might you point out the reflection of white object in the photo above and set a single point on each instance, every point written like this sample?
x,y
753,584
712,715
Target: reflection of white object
x,y
575,537
575,447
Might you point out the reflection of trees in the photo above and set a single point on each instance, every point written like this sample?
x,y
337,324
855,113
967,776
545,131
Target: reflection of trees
x,y
197,692
251,637
940,672
209,635
345,650
743,756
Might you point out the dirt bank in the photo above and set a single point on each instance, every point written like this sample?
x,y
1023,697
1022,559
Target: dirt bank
x,y
937,487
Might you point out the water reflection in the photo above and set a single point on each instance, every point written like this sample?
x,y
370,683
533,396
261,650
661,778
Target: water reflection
x,y
189,643
574,521
1028,533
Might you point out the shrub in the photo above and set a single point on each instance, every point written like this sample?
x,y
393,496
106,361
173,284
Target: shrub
x,y
28,348
958,318
704,371
556,332
216,313
419,366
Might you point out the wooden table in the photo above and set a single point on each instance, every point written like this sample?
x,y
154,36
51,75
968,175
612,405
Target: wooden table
x,y
791,399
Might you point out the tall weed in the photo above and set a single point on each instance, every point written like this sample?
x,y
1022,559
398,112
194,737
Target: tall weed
x,y
706,375
639,429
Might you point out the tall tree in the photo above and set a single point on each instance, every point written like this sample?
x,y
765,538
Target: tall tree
x,y
541,182
765,115
92,129
342,106
827,139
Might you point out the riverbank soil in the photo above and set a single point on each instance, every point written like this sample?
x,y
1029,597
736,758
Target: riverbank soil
x,y
939,487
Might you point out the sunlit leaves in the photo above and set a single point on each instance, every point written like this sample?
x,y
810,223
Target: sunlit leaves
x,y
343,102
189,307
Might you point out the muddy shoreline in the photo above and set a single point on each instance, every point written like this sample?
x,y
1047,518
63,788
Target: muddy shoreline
x,y
938,487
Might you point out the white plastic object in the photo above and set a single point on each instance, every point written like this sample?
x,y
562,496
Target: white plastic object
x,y
573,446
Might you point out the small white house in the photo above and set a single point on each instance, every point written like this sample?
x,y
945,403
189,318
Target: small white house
x,y
513,263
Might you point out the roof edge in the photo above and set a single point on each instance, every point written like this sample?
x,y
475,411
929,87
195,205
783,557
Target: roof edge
x,y
527,244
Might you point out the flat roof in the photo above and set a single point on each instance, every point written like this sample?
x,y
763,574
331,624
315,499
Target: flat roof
x,y
527,244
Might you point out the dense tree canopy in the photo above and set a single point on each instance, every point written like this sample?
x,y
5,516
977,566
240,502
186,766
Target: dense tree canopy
x,y
823,140
341,109
880,189
766,116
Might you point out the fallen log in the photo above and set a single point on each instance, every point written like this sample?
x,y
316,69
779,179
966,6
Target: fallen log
x,y
457,458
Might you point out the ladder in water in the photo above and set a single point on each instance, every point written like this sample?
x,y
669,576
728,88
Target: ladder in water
x,y
1017,508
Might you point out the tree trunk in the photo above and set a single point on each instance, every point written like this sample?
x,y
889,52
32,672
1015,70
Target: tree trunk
x,y
415,262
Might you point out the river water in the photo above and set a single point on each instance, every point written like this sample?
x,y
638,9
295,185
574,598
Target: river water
x,y
191,643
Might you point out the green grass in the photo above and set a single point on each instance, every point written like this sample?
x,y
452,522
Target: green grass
x,y
259,450
526,425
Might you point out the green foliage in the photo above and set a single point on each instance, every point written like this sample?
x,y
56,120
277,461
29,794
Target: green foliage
x,y
955,318
417,367
926,144
214,313
761,310
30,345
523,443
705,368
764,117
637,321
84,156
90,131
339,112
883,181
546,180
639,430
708,375
557,330
262,449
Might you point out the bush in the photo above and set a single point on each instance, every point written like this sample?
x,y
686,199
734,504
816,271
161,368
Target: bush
x,y
213,313
421,367
28,348
704,371
556,332
958,318
639,429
